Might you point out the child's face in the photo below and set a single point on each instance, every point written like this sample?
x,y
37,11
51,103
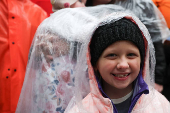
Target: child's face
x,y
119,65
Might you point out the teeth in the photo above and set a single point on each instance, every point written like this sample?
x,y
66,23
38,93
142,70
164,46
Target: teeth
x,y
121,75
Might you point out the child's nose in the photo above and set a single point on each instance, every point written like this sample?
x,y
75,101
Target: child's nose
x,y
122,64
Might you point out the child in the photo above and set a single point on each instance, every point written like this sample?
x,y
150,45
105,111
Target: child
x,y
118,52
119,70
112,71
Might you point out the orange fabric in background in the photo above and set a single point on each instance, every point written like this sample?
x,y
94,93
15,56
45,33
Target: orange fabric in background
x,y
19,20
45,4
164,7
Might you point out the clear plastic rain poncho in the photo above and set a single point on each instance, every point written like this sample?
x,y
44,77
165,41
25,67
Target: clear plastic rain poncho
x,y
149,15
57,76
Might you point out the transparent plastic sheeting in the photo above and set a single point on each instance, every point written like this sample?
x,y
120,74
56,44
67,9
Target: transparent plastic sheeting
x,y
149,15
57,75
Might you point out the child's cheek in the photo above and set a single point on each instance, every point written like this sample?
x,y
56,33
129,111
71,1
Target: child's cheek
x,y
110,65
107,65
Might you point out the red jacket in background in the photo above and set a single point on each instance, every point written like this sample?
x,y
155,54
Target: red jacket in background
x,y
45,4
19,20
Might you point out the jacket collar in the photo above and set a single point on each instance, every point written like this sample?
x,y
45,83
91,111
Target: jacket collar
x,y
140,88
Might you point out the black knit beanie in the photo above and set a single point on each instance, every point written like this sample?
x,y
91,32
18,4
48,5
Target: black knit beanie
x,y
107,34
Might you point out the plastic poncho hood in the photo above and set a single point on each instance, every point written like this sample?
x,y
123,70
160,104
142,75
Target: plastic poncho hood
x,y
59,73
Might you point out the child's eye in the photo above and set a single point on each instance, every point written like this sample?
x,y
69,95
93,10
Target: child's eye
x,y
131,55
111,55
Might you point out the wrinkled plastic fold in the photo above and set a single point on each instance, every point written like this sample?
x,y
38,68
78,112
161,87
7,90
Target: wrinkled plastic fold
x,y
149,15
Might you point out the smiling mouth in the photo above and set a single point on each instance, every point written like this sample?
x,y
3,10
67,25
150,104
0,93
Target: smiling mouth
x,y
121,75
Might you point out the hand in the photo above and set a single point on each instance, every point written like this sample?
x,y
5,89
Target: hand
x,y
78,4
50,47
159,87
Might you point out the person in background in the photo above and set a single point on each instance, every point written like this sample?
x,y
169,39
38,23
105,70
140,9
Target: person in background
x,y
45,4
147,12
51,6
60,4
49,78
164,8
166,89
19,20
